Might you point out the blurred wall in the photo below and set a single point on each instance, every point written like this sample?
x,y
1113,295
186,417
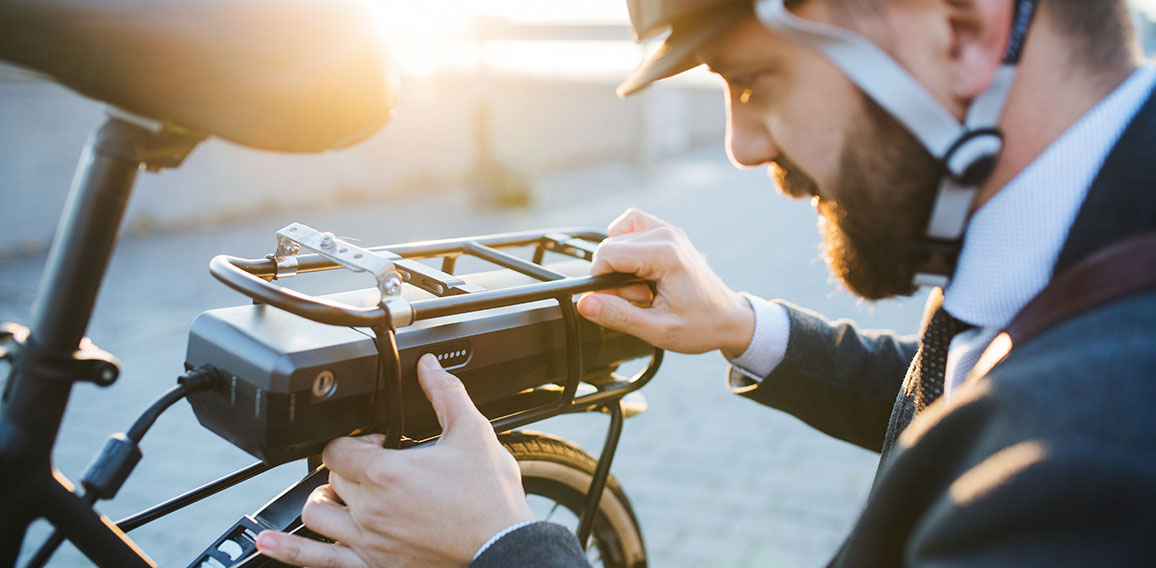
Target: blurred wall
x,y
534,126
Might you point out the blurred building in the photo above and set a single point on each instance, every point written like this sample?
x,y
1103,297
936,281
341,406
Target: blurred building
x,y
489,103
528,100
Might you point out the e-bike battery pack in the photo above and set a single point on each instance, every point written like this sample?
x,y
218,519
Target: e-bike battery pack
x,y
294,384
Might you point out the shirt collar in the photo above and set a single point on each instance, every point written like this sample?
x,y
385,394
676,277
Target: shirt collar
x,y
1013,240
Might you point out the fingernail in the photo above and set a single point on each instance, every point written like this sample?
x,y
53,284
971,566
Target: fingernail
x,y
429,361
590,306
266,540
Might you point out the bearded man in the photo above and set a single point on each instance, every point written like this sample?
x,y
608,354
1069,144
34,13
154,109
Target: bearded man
x,y
998,149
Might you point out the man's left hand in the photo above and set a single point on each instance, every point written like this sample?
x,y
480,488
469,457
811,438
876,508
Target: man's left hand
x,y
432,506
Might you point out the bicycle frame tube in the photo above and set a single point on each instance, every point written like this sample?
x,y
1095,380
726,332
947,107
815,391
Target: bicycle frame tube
x,y
46,367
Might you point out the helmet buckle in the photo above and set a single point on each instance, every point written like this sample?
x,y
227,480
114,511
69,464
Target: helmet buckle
x,y
972,158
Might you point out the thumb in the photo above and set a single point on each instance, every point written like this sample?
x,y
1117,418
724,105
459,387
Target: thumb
x,y
448,396
614,312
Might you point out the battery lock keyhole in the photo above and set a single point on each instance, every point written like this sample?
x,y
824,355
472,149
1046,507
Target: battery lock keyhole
x,y
324,384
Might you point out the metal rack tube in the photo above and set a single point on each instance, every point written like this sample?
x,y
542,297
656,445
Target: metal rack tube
x,y
512,262
582,403
232,271
185,499
448,248
453,305
573,375
573,349
601,473
505,240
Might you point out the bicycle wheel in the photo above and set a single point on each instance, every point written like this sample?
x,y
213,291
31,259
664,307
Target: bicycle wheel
x,y
556,475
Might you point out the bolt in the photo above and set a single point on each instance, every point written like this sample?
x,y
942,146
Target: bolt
x,y
393,286
293,249
327,239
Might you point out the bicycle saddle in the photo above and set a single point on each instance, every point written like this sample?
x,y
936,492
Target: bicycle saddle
x,y
288,75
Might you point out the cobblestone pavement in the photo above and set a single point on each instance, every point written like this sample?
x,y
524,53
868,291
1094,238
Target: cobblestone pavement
x,y
716,480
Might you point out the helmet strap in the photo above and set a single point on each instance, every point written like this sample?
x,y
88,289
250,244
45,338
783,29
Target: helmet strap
x,y
967,151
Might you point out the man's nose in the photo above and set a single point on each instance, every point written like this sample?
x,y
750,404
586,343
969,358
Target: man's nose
x,y
748,141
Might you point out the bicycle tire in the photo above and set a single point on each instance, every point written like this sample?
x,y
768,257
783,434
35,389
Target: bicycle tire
x,y
560,472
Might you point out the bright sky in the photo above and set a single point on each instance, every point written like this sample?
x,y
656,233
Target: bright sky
x,y
552,10
581,10
428,35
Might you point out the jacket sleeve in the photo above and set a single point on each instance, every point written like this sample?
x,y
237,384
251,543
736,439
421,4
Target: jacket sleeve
x,y
538,545
836,378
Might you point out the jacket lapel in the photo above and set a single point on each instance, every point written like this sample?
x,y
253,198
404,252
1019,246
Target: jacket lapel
x,y
1122,200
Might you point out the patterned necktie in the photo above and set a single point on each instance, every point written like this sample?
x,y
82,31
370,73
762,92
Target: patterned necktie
x,y
931,360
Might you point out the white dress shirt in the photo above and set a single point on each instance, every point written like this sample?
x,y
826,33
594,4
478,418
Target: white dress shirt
x,y
1010,247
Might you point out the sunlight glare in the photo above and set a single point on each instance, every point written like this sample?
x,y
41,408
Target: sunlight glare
x,y
421,32
432,36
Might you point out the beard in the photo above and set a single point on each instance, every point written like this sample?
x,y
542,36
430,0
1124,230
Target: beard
x,y
874,215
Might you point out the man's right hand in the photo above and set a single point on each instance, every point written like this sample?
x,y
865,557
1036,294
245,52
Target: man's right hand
x,y
690,310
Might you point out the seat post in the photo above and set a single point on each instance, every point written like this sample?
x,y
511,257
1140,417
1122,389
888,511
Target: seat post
x,y
86,235
47,364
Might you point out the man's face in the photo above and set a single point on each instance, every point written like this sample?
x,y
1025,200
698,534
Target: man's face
x,y
871,181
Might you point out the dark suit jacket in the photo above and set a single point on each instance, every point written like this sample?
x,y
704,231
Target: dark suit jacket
x,y
1047,460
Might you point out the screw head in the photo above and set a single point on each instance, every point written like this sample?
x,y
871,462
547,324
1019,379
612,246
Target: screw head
x,y
393,286
327,239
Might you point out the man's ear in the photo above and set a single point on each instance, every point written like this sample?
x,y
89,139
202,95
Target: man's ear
x,y
979,35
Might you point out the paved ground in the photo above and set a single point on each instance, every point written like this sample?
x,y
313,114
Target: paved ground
x,y
716,480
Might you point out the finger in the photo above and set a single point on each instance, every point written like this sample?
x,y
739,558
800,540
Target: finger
x,y
636,293
646,259
347,490
634,221
661,233
323,514
619,314
326,493
299,551
641,294
450,401
352,458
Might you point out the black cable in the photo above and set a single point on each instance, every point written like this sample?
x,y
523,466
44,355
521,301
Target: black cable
x,y
108,472
146,420
202,378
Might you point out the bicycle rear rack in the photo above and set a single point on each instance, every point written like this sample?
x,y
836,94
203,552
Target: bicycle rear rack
x,y
452,294
391,265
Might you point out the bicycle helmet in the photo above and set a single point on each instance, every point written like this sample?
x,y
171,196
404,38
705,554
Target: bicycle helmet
x,y
968,150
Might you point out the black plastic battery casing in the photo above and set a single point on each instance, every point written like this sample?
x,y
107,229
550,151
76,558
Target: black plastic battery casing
x,y
295,384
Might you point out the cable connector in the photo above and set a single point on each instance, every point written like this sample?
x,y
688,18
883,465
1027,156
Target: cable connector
x,y
112,466
203,378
